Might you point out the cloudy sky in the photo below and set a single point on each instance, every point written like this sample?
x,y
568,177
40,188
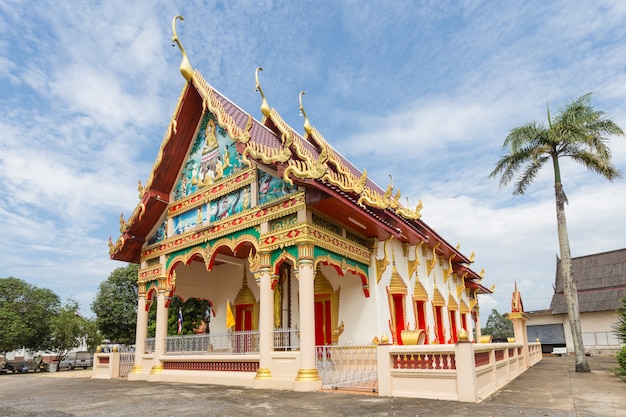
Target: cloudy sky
x,y
424,90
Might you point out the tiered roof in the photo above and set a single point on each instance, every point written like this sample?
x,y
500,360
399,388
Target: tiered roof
x,y
335,187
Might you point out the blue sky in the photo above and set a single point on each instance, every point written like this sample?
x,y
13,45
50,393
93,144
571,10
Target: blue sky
x,y
424,90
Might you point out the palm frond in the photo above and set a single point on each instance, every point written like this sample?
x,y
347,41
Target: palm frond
x,y
577,131
530,173
599,165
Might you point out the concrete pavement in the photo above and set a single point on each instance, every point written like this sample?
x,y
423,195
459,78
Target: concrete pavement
x,y
550,388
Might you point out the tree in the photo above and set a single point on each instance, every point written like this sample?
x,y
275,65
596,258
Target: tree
x,y
498,326
196,316
69,329
579,132
93,335
195,311
115,305
26,314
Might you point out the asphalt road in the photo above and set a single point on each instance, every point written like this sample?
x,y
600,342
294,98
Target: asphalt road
x,y
550,388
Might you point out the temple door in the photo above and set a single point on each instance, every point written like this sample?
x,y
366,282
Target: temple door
x,y
244,314
420,306
453,327
323,326
439,319
398,308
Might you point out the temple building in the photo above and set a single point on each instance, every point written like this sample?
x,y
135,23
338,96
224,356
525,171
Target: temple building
x,y
294,248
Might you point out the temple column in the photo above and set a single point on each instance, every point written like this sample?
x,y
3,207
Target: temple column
x,y
140,334
161,332
307,378
266,326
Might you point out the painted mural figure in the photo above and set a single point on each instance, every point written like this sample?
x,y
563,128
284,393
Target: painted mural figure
x,y
211,158
272,188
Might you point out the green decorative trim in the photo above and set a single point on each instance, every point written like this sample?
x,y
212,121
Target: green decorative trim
x,y
319,252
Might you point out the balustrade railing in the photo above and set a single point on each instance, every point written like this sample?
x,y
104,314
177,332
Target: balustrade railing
x,y
149,345
286,339
227,343
347,366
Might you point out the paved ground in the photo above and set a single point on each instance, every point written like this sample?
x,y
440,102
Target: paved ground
x,y
550,388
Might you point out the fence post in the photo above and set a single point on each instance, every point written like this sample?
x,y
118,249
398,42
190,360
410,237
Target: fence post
x,y
114,364
467,389
384,370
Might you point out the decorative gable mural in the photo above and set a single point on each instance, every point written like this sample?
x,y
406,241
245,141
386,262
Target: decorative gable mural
x,y
272,188
213,156
229,204
160,234
188,220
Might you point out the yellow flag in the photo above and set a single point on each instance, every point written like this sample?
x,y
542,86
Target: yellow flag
x,y
230,319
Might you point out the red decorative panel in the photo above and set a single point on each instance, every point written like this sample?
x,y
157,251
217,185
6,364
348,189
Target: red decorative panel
x,y
499,355
481,358
424,361
511,352
213,366
104,360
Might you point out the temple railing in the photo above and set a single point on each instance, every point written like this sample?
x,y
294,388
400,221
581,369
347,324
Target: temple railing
x,y
225,343
460,372
214,343
286,339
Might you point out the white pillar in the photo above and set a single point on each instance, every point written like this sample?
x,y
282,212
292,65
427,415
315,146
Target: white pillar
x,y
307,379
141,333
521,335
160,334
266,327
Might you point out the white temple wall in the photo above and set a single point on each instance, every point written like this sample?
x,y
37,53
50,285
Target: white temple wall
x,y
355,310
221,284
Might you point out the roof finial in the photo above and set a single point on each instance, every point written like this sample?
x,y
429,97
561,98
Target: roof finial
x,y
307,124
185,67
265,107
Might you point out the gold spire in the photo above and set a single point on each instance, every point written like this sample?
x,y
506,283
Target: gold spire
x,y
307,124
185,67
265,107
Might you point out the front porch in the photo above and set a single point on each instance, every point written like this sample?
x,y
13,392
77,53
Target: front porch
x,y
464,371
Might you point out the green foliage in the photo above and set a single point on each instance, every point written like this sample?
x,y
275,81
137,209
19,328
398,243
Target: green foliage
x,y
25,315
620,326
195,311
577,131
498,326
93,336
12,327
115,305
69,329
621,358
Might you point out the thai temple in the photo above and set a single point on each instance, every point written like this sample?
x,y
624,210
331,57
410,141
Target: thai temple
x,y
306,263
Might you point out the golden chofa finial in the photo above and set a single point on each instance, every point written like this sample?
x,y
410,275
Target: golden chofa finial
x,y
265,107
307,124
185,66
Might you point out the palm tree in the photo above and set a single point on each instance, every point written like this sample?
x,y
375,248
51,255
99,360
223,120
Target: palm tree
x,y
579,132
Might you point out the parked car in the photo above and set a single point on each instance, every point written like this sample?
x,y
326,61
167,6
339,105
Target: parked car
x,y
76,360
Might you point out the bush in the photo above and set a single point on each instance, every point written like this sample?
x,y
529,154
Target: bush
x,y
621,358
